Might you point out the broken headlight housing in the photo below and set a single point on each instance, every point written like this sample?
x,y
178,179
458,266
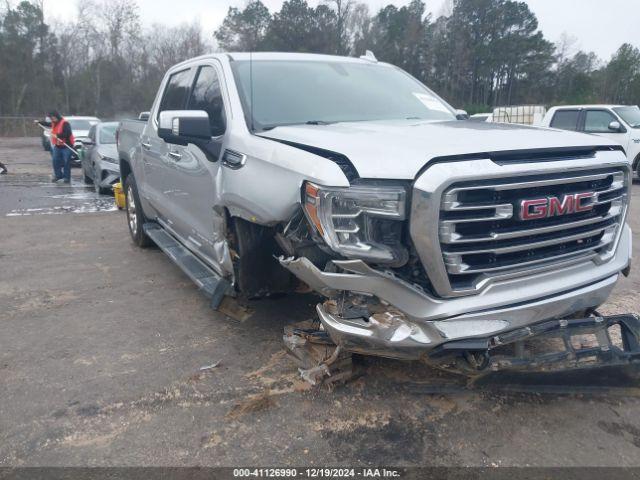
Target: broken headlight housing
x,y
364,222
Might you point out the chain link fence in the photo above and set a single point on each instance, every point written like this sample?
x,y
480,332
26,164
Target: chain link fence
x,y
19,126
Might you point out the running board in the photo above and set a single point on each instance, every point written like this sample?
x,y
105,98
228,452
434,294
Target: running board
x,y
210,283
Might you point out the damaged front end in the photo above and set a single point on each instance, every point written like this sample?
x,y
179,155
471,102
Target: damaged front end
x,y
365,322
399,270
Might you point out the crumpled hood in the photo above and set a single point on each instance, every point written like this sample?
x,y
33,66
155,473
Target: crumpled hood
x,y
400,148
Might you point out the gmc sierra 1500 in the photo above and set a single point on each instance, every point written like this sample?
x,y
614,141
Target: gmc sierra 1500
x,y
430,237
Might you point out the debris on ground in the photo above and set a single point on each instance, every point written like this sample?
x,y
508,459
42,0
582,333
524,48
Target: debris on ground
x,y
319,360
254,403
209,367
233,309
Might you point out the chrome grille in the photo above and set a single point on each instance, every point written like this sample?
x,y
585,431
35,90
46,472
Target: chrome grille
x,y
481,234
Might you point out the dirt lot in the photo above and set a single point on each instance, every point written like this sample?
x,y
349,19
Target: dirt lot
x,y
101,346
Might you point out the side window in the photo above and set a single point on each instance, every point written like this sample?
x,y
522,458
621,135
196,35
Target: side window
x,y
597,121
207,96
175,93
565,119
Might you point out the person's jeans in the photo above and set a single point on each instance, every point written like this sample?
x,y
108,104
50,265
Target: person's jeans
x,y
61,158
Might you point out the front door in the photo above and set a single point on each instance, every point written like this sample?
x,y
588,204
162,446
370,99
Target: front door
x,y
190,184
597,121
157,161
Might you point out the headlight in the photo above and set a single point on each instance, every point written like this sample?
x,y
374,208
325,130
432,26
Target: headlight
x,y
359,222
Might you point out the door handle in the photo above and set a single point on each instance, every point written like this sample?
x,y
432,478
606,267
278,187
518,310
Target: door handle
x,y
146,146
175,155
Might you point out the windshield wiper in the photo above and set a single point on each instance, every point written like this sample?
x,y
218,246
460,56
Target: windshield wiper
x,y
317,122
309,122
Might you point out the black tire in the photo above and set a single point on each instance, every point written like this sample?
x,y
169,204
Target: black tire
x,y
100,190
256,269
96,185
135,215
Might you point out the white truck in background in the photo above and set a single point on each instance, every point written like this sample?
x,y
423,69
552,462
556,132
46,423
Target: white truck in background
x,y
619,123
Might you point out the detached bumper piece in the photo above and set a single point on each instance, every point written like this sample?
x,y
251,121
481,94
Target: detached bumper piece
x,y
550,346
319,360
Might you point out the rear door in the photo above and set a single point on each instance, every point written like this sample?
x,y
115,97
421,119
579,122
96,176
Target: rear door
x,y
157,161
566,119
191,179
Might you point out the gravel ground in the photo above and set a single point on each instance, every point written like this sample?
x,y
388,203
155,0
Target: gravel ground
x,y
102,344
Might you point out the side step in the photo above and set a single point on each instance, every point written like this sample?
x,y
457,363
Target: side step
x,y
212,285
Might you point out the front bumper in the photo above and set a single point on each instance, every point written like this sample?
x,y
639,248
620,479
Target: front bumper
x,y
109,174
425,322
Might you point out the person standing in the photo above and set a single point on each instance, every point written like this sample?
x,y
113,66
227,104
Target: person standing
x,y
61,143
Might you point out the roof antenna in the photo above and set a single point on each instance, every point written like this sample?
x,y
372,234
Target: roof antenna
x,y
253,128
368,55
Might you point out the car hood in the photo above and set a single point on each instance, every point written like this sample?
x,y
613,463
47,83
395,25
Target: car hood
x,y
108,150
399,149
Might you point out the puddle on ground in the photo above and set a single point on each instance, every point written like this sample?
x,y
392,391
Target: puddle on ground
x,y
99,205
88,195
59,199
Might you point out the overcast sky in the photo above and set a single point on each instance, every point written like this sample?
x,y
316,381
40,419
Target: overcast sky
x,y
599,25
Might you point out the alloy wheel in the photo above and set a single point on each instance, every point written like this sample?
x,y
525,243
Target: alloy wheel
x,y
131,212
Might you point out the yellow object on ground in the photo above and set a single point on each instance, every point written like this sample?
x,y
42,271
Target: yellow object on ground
x,y
119,195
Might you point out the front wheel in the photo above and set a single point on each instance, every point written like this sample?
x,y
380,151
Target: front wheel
x,y
99,190
135,215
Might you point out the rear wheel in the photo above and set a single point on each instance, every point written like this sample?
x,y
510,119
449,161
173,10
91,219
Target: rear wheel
x,y
135,215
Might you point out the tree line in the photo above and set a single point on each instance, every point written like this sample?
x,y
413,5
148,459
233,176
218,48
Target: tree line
x,y
477,54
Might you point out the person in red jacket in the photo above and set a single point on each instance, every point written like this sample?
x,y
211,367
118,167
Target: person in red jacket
x,y
61,143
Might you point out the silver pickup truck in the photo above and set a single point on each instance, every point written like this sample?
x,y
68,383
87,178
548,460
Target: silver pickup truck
x,y
429,236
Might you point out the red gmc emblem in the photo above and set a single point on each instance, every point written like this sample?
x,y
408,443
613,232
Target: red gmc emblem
x,y
537,208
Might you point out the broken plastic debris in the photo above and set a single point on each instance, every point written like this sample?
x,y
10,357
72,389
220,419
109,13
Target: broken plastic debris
x,y
209,367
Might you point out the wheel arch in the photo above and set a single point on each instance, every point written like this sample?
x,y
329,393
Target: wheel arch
x,y
125,170
254,250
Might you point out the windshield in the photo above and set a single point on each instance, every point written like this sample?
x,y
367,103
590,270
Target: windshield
x,y
631,115
298,92
108,133
80,124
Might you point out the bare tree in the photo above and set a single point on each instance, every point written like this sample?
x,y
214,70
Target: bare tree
x,y
343,9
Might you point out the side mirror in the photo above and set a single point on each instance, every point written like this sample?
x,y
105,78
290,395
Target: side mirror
x,y
615,126
144,116
462,115
181,127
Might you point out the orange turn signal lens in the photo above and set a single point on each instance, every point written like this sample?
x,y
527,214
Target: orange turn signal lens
x,y
311,201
